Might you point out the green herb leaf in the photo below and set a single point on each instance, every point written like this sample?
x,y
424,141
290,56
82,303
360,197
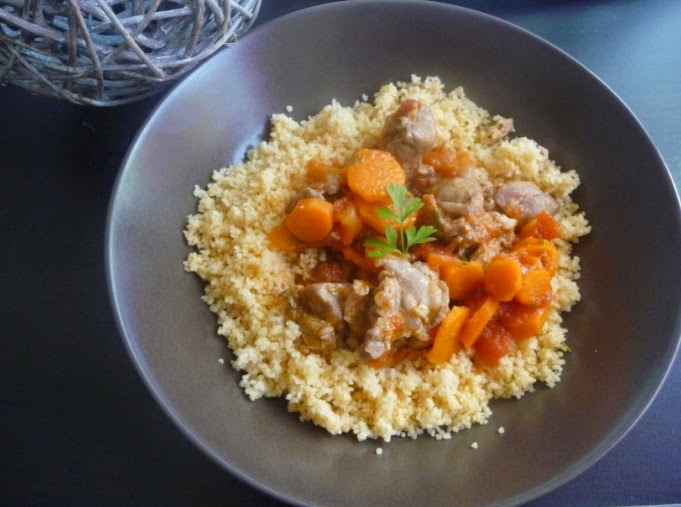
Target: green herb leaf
x,y
565,347
412,206
403,239
386,213
391,235
424,234
398,193
375,242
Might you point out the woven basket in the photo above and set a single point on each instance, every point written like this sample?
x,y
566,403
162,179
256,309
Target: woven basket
x,y
111,52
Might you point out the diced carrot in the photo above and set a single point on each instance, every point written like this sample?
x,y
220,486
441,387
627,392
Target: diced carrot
x,y
523,321
448,163
367,213
319,171
372,172
443,160
348,220
282,239
529,230
536,288
536,253
503,279
447,336
478,320
463,279
311,219
543,226
438,261
494,343
434,255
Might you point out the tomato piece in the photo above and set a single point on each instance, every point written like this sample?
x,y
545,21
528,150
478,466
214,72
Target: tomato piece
x,y
494,342
543,226
330,271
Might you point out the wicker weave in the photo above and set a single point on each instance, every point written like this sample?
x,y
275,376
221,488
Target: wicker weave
x,y
110,52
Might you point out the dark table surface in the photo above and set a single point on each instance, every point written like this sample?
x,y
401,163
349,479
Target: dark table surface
x,y
78,425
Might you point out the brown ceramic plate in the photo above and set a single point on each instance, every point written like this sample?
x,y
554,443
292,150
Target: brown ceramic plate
x,y
624,333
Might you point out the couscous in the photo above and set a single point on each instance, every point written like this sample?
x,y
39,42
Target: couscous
x,y
264,283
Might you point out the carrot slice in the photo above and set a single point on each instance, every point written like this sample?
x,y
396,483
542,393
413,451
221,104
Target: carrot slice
x,y
311,219
523,321
447,336
435,256
503,279
282,239
477,322
437,261
463,279
536,288
537,253
372,172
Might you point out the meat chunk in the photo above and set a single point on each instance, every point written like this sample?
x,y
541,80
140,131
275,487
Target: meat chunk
x,y
469,229
356,309
324,300
499,235
409,301
408,133
523,200
320,315
316,333
459,196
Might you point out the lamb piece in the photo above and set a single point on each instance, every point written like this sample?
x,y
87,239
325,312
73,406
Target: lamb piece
x,y
356,311
409,301
408,133
459,197
479,235
320,315
460,233
523,200
423,180
316,333
324,300
500,235
330,185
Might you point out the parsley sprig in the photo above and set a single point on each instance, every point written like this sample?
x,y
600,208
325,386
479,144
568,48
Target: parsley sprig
x,y
401,240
